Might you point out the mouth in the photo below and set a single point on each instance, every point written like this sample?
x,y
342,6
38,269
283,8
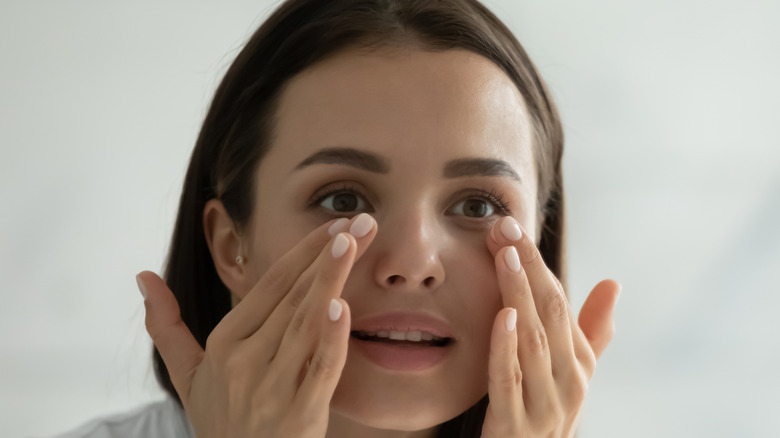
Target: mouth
x,y
410,338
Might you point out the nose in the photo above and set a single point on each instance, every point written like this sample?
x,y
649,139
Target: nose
x,y
408,253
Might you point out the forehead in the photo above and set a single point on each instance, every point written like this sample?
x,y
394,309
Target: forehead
x,y
402,103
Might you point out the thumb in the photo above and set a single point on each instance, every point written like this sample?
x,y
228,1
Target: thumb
x,y
596,316
179,349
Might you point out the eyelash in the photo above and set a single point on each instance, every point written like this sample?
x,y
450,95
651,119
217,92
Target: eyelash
x,y
495,198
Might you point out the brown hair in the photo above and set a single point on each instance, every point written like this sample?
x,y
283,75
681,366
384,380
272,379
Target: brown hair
x,y
239,129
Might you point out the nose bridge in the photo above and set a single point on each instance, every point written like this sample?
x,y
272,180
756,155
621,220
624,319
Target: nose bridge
x,y
411,239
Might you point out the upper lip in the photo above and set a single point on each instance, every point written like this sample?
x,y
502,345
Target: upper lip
x,y
404,322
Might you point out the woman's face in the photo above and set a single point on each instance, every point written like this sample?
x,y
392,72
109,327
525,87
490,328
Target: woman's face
x,y
449,142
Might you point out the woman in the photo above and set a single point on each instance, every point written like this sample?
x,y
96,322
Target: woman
x,y
370,240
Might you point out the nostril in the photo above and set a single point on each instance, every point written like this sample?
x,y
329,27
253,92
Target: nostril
x,y
393,278
428,282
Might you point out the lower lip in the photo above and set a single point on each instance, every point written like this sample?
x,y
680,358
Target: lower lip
x,y
401,357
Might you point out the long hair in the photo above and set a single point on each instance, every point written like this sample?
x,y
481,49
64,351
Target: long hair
x,y
239,128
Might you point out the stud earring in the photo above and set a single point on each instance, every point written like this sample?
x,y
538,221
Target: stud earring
x,y
239,260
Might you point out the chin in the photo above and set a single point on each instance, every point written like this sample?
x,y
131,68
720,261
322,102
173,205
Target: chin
x,y
404,403
412,417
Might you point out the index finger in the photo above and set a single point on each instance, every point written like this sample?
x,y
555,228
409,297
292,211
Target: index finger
x,y
249,314
254,309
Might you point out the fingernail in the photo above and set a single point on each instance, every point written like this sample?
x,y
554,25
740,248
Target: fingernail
x,y
511,320
361,226
511,229
334,312
340,245
511,259
141,285
337,226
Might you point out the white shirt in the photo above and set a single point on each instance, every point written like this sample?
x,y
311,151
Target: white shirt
x,y
162,419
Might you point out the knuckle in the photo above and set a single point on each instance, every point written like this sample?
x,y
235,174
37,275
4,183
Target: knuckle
x,y
323,367
534,340
234,367
296,296
508,381
277,276
576,393
556,306
298,323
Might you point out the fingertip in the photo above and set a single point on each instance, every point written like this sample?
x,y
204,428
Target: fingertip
x,y
335,309
141,285
511,320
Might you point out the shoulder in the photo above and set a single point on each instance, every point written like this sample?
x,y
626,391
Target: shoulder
x,y
158,419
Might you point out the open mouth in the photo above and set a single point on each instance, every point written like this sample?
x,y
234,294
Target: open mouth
x,y
421,339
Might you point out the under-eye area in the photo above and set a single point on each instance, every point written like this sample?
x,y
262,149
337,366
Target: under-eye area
x,y
402,338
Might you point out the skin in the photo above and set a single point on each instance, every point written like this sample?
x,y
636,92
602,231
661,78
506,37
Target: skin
x,y
416,111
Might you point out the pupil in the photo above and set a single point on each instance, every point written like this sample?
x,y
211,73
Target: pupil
x,y
475,208
345,202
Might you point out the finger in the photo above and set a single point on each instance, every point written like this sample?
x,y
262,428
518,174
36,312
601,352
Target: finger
x,y
505,377
293,268
549,297
327,363
179,350
532,348
266,340
596,316
304,328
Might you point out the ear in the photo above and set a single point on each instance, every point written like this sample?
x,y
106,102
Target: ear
x,y
225,245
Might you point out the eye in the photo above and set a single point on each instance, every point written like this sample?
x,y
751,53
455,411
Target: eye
x,y
473,208
343,202
481,205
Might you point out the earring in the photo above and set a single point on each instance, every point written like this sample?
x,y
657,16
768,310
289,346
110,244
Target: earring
x,y
239,260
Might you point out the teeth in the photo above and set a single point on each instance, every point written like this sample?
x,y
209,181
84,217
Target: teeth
x,y
398,336
403,336
413,336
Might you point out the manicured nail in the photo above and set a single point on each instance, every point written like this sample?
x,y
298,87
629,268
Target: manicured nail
x,y
361,226
141,285
511,259
334,312
340,245
511,229
511,320
337,226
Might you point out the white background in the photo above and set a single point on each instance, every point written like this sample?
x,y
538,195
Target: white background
x,y
672,116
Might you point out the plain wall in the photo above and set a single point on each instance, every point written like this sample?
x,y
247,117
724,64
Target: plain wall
x,y
672,116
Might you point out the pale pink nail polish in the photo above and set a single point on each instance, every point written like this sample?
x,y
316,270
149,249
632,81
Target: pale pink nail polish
x,y
340,245
511,229
512,260
511,320
361,226
334,311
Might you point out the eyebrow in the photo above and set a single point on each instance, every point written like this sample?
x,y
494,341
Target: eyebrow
x,y
479,167
348,157
372,162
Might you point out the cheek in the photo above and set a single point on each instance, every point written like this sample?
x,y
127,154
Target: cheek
x,y
272,240
473,275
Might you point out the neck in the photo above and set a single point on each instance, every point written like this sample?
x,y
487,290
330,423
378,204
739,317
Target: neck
x,y
342,427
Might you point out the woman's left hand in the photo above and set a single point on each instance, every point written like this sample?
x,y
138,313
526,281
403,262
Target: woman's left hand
x,y
540,361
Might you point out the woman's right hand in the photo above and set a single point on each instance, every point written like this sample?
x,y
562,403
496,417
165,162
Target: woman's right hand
x,y
271,365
